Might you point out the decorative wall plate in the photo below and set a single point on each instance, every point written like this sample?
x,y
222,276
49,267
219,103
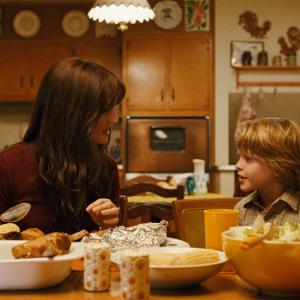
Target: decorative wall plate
x,y
75,23
168,14
26,23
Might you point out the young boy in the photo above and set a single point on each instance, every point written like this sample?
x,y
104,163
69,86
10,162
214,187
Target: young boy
x,y
269,165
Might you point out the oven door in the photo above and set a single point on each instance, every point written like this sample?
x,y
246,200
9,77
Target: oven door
x,y
166,144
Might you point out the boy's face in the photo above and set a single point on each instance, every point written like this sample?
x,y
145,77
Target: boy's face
x,y
255,174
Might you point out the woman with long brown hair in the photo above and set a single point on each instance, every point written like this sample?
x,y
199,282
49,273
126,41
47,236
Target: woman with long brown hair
x,y
61,167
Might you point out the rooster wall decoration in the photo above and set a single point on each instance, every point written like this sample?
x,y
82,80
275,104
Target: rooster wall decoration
x,y
250,23
293,34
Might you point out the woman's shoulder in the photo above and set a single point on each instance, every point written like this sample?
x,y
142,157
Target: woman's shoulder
x,y
111,162
17,152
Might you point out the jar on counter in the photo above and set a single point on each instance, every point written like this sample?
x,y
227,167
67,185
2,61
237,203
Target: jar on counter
x,y
246,58
262,58
200,176
291,59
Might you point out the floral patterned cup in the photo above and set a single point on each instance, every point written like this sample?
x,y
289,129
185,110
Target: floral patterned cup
x,y
134,271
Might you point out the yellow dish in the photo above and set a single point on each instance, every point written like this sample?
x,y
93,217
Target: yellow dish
x,y
272,267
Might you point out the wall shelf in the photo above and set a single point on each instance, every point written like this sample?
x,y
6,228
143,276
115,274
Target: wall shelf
x,y
243,69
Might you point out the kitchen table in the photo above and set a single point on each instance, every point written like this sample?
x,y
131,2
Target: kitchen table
x,y
221,286
150,198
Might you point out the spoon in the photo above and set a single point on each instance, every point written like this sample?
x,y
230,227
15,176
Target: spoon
x,y
255,240
15,213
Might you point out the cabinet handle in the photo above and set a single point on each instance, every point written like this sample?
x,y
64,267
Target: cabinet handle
x,y
22,81
162,95
173,95
32,81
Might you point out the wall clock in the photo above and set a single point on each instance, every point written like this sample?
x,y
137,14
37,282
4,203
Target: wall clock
x,y
168,14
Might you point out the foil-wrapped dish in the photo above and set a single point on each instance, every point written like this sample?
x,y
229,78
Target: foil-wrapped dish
x,y
141,235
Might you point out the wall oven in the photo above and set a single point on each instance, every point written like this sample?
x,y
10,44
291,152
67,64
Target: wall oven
x,y
166,144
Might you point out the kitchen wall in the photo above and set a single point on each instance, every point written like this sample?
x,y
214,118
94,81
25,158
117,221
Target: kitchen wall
x,y
283,14
13,122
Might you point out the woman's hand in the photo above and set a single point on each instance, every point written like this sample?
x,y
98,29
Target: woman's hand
x,y
104,213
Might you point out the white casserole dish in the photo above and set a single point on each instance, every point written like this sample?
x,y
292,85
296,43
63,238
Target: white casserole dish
x,y
34,273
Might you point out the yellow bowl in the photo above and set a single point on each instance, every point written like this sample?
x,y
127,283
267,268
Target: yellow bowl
x,y
272,267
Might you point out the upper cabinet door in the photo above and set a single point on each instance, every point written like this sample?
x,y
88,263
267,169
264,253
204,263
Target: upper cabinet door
x,y
108,55
190,74
13,81
145,75
41,58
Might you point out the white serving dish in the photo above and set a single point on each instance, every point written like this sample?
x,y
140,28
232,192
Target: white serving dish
x,y
175,276
34,273
171,242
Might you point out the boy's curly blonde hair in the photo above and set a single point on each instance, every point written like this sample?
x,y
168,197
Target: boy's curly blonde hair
x,y
277,142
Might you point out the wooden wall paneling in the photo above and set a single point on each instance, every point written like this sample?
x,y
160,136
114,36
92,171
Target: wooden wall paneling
x,y
51,21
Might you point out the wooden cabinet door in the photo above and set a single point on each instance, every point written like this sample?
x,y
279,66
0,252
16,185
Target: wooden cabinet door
x,y
108,55
41,58
145,75
12,72
190,74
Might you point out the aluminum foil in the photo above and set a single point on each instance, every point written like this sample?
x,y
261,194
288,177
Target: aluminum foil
x,y
141,235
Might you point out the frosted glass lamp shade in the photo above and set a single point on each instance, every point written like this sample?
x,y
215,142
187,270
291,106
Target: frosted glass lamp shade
x,y
121,12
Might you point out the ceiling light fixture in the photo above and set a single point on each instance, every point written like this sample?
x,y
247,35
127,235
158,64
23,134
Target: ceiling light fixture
x,y
121,12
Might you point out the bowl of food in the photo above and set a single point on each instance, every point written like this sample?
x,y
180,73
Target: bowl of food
x,y
34,273
172,267
273,264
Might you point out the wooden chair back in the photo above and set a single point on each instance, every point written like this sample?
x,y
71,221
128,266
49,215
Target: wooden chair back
x,y
140,188
188,215
123,205
146,179
147,212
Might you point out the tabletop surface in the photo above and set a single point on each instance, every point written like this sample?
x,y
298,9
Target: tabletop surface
x,y
154,198
221,286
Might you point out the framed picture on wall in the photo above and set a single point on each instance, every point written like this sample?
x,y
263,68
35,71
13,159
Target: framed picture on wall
x,y
245,52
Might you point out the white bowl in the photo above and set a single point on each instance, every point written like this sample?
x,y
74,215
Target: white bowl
x,y
175,276
34,273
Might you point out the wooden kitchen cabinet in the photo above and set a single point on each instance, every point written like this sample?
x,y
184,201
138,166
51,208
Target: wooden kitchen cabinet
x,y
107,54
23,67
12,72
40,59
145,75
168,76
190,75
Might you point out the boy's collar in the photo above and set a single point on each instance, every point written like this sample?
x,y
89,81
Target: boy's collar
x,y
291,197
